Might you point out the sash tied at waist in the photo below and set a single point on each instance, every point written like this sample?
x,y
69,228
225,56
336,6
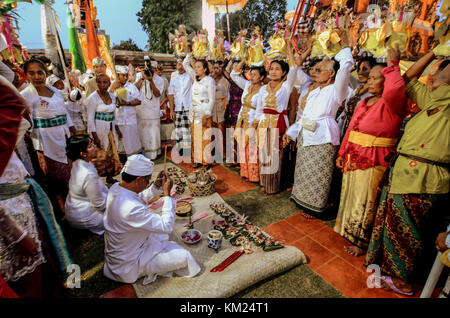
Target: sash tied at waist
x,y
281,124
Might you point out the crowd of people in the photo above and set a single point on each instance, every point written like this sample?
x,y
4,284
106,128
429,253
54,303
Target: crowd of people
x,y
379,139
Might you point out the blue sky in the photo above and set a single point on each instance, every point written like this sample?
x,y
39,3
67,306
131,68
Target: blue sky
x,y
117,17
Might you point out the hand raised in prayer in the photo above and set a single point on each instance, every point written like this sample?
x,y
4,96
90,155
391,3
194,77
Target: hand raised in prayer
x,y
393,54
27,246
440,242
168,184
344,37
340,162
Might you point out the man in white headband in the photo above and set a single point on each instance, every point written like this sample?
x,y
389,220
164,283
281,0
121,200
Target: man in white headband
x,y
99,66
137,240
128,97
150,86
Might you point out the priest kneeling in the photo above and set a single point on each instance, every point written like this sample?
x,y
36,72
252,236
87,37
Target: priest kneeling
x,y
137,240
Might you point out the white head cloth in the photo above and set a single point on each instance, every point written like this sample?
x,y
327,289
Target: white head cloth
x,y
138,166
121,69
52,79
98,61
154,64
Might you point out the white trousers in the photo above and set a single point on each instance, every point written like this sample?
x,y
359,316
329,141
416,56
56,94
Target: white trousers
x,y
172,259
150,135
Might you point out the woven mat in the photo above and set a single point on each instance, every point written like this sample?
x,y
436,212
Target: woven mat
x,y
244,272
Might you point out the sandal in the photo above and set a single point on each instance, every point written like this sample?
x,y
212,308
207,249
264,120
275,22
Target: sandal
x,y
390,283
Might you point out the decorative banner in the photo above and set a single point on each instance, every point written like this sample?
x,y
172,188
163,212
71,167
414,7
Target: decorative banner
x,y
104,52
92,39
74,47
220,6
50,37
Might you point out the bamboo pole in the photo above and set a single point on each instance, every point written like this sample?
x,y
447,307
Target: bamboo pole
x,y
228,23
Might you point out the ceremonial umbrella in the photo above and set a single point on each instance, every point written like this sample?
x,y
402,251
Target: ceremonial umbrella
x,y
227,6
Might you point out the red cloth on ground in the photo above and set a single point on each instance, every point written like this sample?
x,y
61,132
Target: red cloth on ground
x,y
382,119
11,108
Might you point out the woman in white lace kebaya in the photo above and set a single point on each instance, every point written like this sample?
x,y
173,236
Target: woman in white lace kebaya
x,y
86,201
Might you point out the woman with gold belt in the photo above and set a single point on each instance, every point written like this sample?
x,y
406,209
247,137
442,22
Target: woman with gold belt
x,y
272,121
248,150
371,136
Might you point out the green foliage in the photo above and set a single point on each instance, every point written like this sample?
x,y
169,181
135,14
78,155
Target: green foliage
x,y
263,13
127,45
158,18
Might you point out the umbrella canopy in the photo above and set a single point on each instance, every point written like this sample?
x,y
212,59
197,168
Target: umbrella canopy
x,y
220,6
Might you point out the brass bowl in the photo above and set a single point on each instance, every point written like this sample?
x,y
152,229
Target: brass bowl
x,y
183,208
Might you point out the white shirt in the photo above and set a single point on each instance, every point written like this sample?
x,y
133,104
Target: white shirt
x,y
87,195
282,96
181,89
101,127
126,115
133,234
322,105
203,94
245,85
51,140
304,82
149,109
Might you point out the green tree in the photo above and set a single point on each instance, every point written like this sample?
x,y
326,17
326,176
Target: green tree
x,y
127,45
263,13
158,18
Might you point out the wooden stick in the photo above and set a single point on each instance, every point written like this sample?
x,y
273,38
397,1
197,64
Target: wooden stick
x,y
165,157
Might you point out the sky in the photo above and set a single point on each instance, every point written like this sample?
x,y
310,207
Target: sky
x,y
119,21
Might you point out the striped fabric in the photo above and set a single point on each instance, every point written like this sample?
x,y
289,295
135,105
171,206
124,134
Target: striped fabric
x,y
104,116
50,122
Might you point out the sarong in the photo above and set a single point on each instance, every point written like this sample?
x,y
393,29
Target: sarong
x,y
400,231
182,129
313,175
200,142
130,144
271,159
357,205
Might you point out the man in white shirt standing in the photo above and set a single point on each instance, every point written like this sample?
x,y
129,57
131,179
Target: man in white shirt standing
x,y
180,100
150,86
127,97
137,240
317,132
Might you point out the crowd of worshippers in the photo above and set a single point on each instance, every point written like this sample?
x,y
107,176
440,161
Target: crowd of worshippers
x,y
356,133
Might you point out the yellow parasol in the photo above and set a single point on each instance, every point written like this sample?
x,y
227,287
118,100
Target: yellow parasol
x,y
227,6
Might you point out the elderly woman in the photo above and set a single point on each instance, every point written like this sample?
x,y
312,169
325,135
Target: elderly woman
x,y
317,132
86,202
101,107
248,151
412,206
200,113
52,125
357,95
371,136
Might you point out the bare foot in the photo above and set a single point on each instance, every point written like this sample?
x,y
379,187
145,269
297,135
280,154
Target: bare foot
x,y
354,250
307,216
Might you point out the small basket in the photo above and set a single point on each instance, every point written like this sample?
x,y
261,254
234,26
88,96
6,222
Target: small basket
x,y
202,190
